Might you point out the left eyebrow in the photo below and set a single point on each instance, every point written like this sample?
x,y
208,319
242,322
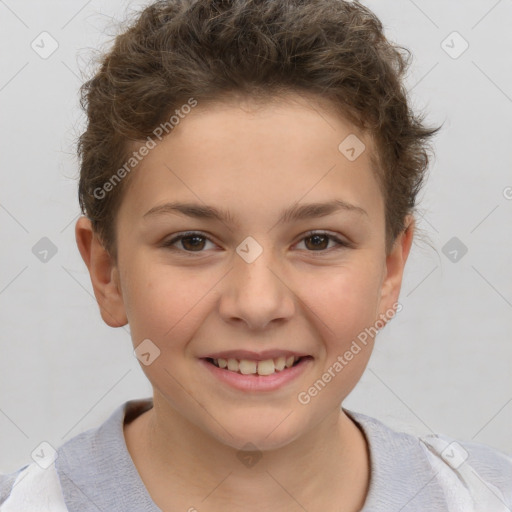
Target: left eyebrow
x,y
294,213
314,210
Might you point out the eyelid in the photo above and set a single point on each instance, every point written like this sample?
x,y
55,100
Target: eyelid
x,y
169,244
341,242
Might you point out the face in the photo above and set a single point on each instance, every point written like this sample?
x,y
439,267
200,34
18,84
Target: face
x,y
242,264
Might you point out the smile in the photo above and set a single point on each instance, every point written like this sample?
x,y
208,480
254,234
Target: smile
x,y
257,376
262,368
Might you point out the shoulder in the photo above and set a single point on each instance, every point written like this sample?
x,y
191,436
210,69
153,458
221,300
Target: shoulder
x,y
7,483
434,472
31,489
484,472
91,471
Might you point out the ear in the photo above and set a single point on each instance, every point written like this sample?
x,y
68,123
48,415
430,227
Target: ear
x,y
104,274
395,265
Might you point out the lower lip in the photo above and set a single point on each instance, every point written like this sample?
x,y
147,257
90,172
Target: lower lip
x,y
258,382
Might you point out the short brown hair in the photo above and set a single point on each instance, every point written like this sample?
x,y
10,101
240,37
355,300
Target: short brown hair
x,y
334,50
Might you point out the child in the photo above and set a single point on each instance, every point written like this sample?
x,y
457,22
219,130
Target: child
x,y
248,178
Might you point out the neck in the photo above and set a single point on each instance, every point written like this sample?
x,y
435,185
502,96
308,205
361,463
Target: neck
x,y
180,463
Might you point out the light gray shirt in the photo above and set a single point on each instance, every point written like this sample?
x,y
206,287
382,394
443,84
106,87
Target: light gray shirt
x,y
93,472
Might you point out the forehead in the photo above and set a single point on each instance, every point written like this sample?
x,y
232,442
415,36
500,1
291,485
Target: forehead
x,y
250,153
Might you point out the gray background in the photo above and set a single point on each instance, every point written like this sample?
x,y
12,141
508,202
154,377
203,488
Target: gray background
x,y
442,365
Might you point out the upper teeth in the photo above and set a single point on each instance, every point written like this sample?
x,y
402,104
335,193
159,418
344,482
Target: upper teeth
x,y
266,367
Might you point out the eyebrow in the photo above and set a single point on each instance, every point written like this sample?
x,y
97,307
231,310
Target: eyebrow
x,y
294,213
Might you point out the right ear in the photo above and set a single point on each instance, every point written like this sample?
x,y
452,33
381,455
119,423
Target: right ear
x,y
103,272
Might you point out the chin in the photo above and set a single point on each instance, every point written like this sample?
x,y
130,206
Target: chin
x,y
262,435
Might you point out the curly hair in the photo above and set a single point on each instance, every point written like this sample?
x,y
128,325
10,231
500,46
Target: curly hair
x,y
175,50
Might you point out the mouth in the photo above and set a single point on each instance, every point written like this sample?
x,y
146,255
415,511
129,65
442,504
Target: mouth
x,y
261,368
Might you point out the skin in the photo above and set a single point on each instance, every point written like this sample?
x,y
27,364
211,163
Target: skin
x,y
255,161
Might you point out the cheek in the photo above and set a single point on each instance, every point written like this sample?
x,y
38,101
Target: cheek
x,y
345,310
167,304
163,304
345,300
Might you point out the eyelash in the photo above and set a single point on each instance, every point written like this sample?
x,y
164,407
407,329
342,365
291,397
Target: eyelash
x,y
341,244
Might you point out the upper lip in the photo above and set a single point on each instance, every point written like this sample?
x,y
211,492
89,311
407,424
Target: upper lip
x,y
254,356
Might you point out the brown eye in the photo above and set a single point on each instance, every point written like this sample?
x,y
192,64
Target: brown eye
x,y
318,242
188,243
193,243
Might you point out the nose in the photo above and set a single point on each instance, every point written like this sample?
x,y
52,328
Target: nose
x,y
256,293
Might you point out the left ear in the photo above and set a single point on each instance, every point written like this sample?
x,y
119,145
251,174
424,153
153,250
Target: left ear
x,y
395,265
